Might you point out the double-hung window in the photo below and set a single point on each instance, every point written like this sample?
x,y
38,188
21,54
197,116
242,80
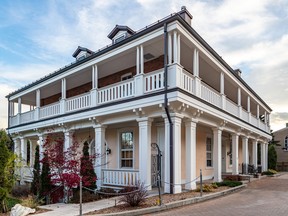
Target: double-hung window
x,y
127,148
209,152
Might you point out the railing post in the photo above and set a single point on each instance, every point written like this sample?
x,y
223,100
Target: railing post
x,y
62,106
139,84
93,95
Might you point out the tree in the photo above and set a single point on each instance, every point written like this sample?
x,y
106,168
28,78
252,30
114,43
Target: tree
x,y
272,154
86,170
6,170
45,177
35,187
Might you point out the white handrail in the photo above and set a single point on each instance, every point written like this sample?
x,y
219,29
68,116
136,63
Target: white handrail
x,y
78,102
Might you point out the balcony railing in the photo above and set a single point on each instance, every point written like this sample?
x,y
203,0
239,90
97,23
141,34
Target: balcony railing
x,y
142,84
120,177
50,110
78,102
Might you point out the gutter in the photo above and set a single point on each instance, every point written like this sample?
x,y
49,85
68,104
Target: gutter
x,y
167,109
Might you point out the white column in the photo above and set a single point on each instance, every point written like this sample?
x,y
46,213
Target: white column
x,y
41,143
217,154
23,150
255,163
93,91
68,139
239,102
222,91
99,151
266,155
178,49
63,96
235,142
141,59
190,133
38,102
175,47
263,156
17,147
19,105
11,108
167,156
137,61
31,153
145,151
176,119
169,49
197,89
245,154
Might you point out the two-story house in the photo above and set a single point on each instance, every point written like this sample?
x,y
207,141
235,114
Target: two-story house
x,y
162,84
282,149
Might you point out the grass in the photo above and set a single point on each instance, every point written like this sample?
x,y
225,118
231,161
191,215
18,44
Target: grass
x,y
12,202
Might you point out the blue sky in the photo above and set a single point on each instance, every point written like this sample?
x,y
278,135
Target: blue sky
x,y
38,37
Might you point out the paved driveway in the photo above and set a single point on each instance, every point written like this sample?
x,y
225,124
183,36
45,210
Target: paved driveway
x,y
266,197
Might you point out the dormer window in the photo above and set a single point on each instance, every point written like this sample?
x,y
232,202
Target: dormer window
x,y
120,33
81,53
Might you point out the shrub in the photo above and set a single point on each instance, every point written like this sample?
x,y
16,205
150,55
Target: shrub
x,y
134,195
11,202
229,183
30,202
205,188
269,172
214,185
20,191
87,196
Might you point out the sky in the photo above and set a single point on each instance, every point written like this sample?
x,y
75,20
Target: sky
x,y
39,37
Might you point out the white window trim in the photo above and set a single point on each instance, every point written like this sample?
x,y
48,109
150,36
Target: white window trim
x,y
209,137
119,149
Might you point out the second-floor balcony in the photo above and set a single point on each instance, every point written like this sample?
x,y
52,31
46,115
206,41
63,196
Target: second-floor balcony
x,y
139,85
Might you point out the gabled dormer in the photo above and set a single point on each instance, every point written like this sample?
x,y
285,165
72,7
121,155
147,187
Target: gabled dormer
x,y
119,33
81,53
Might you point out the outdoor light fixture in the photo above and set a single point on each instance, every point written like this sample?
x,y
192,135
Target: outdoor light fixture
x,y
108,151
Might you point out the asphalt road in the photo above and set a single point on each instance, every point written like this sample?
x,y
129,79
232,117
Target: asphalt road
x,y
265,197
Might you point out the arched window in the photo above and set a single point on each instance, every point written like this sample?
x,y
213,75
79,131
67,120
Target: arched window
x,y
286,143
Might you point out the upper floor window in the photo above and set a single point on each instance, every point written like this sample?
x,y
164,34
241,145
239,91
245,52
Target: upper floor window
x,y
126,76
286,143
127,148
209,152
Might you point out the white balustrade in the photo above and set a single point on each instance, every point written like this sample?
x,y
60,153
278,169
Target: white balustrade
x,y
262,126
27,116
50,110
231,107
116,91
254,121
13,121
245,115
78,102
187,81
210,95
154,81
120,177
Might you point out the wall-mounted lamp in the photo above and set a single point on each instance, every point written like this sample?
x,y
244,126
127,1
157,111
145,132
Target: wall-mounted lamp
x,y
108,151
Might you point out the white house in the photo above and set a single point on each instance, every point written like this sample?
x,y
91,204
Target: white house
x,y
162,84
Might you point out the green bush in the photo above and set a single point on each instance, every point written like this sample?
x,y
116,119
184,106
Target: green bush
x,y
229,183
269,172
11,202
205,188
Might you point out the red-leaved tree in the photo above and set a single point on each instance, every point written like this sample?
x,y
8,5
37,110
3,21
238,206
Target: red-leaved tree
x,y
64,164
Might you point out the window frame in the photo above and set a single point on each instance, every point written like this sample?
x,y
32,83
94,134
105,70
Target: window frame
x,y
209,138
285,145
120,149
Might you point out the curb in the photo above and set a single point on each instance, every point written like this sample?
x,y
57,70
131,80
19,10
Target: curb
x,y
178,203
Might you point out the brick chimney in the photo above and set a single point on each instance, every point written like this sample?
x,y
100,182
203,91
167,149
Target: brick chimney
x,y
184,13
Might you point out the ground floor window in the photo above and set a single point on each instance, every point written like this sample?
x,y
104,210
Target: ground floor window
x,y
127,147
209,152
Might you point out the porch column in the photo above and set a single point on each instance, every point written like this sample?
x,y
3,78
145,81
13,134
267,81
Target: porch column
x,y
249,109
93,91
197,90
263,156
245,154
190,133
68,139
99,151
222,91
23,150
38,102
266,155
175,47
255,163
31,153
167,156
258,115
176,119
41,143
141,59
239,102
11,109
139,77
169,49
19,111
235,142
63,96
217,154
17,147
178,49
145,151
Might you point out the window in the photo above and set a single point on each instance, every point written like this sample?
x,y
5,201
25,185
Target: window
x,y
286,143
127,146
209,152
126,76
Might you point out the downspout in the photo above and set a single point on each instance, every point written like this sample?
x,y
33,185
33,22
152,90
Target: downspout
x,y
167,109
